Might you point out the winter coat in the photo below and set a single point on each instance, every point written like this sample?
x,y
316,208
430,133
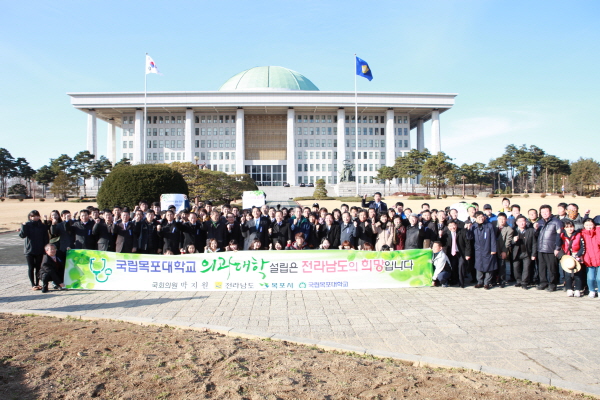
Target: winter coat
x,y
591,258
399,237
547,235
526,246
125,239
573,246
84,238
414,237
348,232
385,236
484,243
36,237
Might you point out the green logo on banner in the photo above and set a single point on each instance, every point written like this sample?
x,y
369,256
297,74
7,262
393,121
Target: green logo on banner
x,y
102,274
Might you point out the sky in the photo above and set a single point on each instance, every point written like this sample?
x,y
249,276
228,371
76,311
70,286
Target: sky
x,y
526,72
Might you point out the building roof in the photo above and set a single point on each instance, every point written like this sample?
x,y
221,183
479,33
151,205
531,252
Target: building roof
x,y
268,78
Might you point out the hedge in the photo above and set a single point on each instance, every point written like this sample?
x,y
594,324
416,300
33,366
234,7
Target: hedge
x,y
127,185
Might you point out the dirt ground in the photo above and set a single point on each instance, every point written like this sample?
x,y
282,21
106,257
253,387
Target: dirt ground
x,y
14,212
51,358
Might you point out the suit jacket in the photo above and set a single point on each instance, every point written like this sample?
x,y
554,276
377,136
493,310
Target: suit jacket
x,y
280,234
193,234
529,239
332,234
66,237
84,238
465,248
104,236
217,231
381,207
148,240
364,234
170,233
250,232
125,238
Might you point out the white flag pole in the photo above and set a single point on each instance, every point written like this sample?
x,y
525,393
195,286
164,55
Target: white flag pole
x,y
355,128
143,135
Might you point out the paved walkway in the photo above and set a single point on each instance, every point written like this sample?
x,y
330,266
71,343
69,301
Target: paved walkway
x,y
533,332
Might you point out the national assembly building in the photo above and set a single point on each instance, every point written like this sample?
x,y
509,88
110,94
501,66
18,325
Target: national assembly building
x,y
269,122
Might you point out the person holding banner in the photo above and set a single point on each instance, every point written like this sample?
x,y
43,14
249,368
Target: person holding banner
x,y
280,233
347,230
331,231
299,243
364,230
255,228
82,230
441,265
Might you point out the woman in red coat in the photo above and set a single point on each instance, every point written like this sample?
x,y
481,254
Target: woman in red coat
x,y
591,258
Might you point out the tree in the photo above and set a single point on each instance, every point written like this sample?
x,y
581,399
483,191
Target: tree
x,y
25,171
320,191
410,165
82,167
45,175
8,167
436,170
63,185
18,188
101,168
585,172
127,185
123,161
386,174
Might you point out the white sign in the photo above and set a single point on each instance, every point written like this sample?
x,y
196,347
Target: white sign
x,y
180,201
254,198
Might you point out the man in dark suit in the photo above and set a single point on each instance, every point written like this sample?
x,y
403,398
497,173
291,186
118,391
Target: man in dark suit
x,y
280,234
256,228
49,271
125,240
331,231
193,233
459,251
215,229
234,231
524,252
170,233
146,231
103,232
364,230
377,204
82,230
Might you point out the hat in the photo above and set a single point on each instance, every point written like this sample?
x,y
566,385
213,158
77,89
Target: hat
x,y
487,207
315,204
570,264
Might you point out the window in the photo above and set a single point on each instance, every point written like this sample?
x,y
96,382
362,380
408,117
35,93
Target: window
x,y
168,120
306,118
227,144
329,143
209,131
305,142
318,167
406,119
299,169
154,131
233,122
221,130
312,168
161,144
149,144
178,119
197,144
233,158
312,143
305,131
203,119
226,131
220,144
202,144
179,131
161,132
405,131
311,155
312,119
370,119
197,131
305,168
299,155
299,142
317,154
203,156
370,155
220,155
382,131
233,144
406,143
299,131
131,144
232,131
148,156
299,119
383,155
160,120
318,131
220,119
155,144
178,156
370,143
383,143
149,132
227,119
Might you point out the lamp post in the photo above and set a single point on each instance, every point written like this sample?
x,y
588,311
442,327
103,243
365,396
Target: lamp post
x,y
463,179
196,158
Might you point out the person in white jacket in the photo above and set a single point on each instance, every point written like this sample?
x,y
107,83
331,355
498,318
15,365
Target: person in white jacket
x,y
442,272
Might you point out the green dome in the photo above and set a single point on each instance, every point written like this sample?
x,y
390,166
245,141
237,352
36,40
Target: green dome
x,y
268,78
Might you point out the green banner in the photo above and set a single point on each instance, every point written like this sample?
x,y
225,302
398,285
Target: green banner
x,y
249,270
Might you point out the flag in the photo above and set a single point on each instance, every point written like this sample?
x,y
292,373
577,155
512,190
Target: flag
x,y
151,66
362,69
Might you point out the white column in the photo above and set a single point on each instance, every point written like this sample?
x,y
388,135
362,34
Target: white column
x,y
390,139
92,137
341,139
188,142
111,143
420,135
291,147
139,139
436,144
240,151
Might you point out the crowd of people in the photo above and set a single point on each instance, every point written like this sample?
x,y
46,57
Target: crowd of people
x,y
486,249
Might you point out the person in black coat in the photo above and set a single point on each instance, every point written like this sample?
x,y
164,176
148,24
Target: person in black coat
x,y
484,248
61,229
104,232
376,204
146,231
193,233
49,271
280,234
364,230
459,251
125,238
35,233
524,252
82,231
331,231
415,234
170,233
255,228
216,229
234,231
